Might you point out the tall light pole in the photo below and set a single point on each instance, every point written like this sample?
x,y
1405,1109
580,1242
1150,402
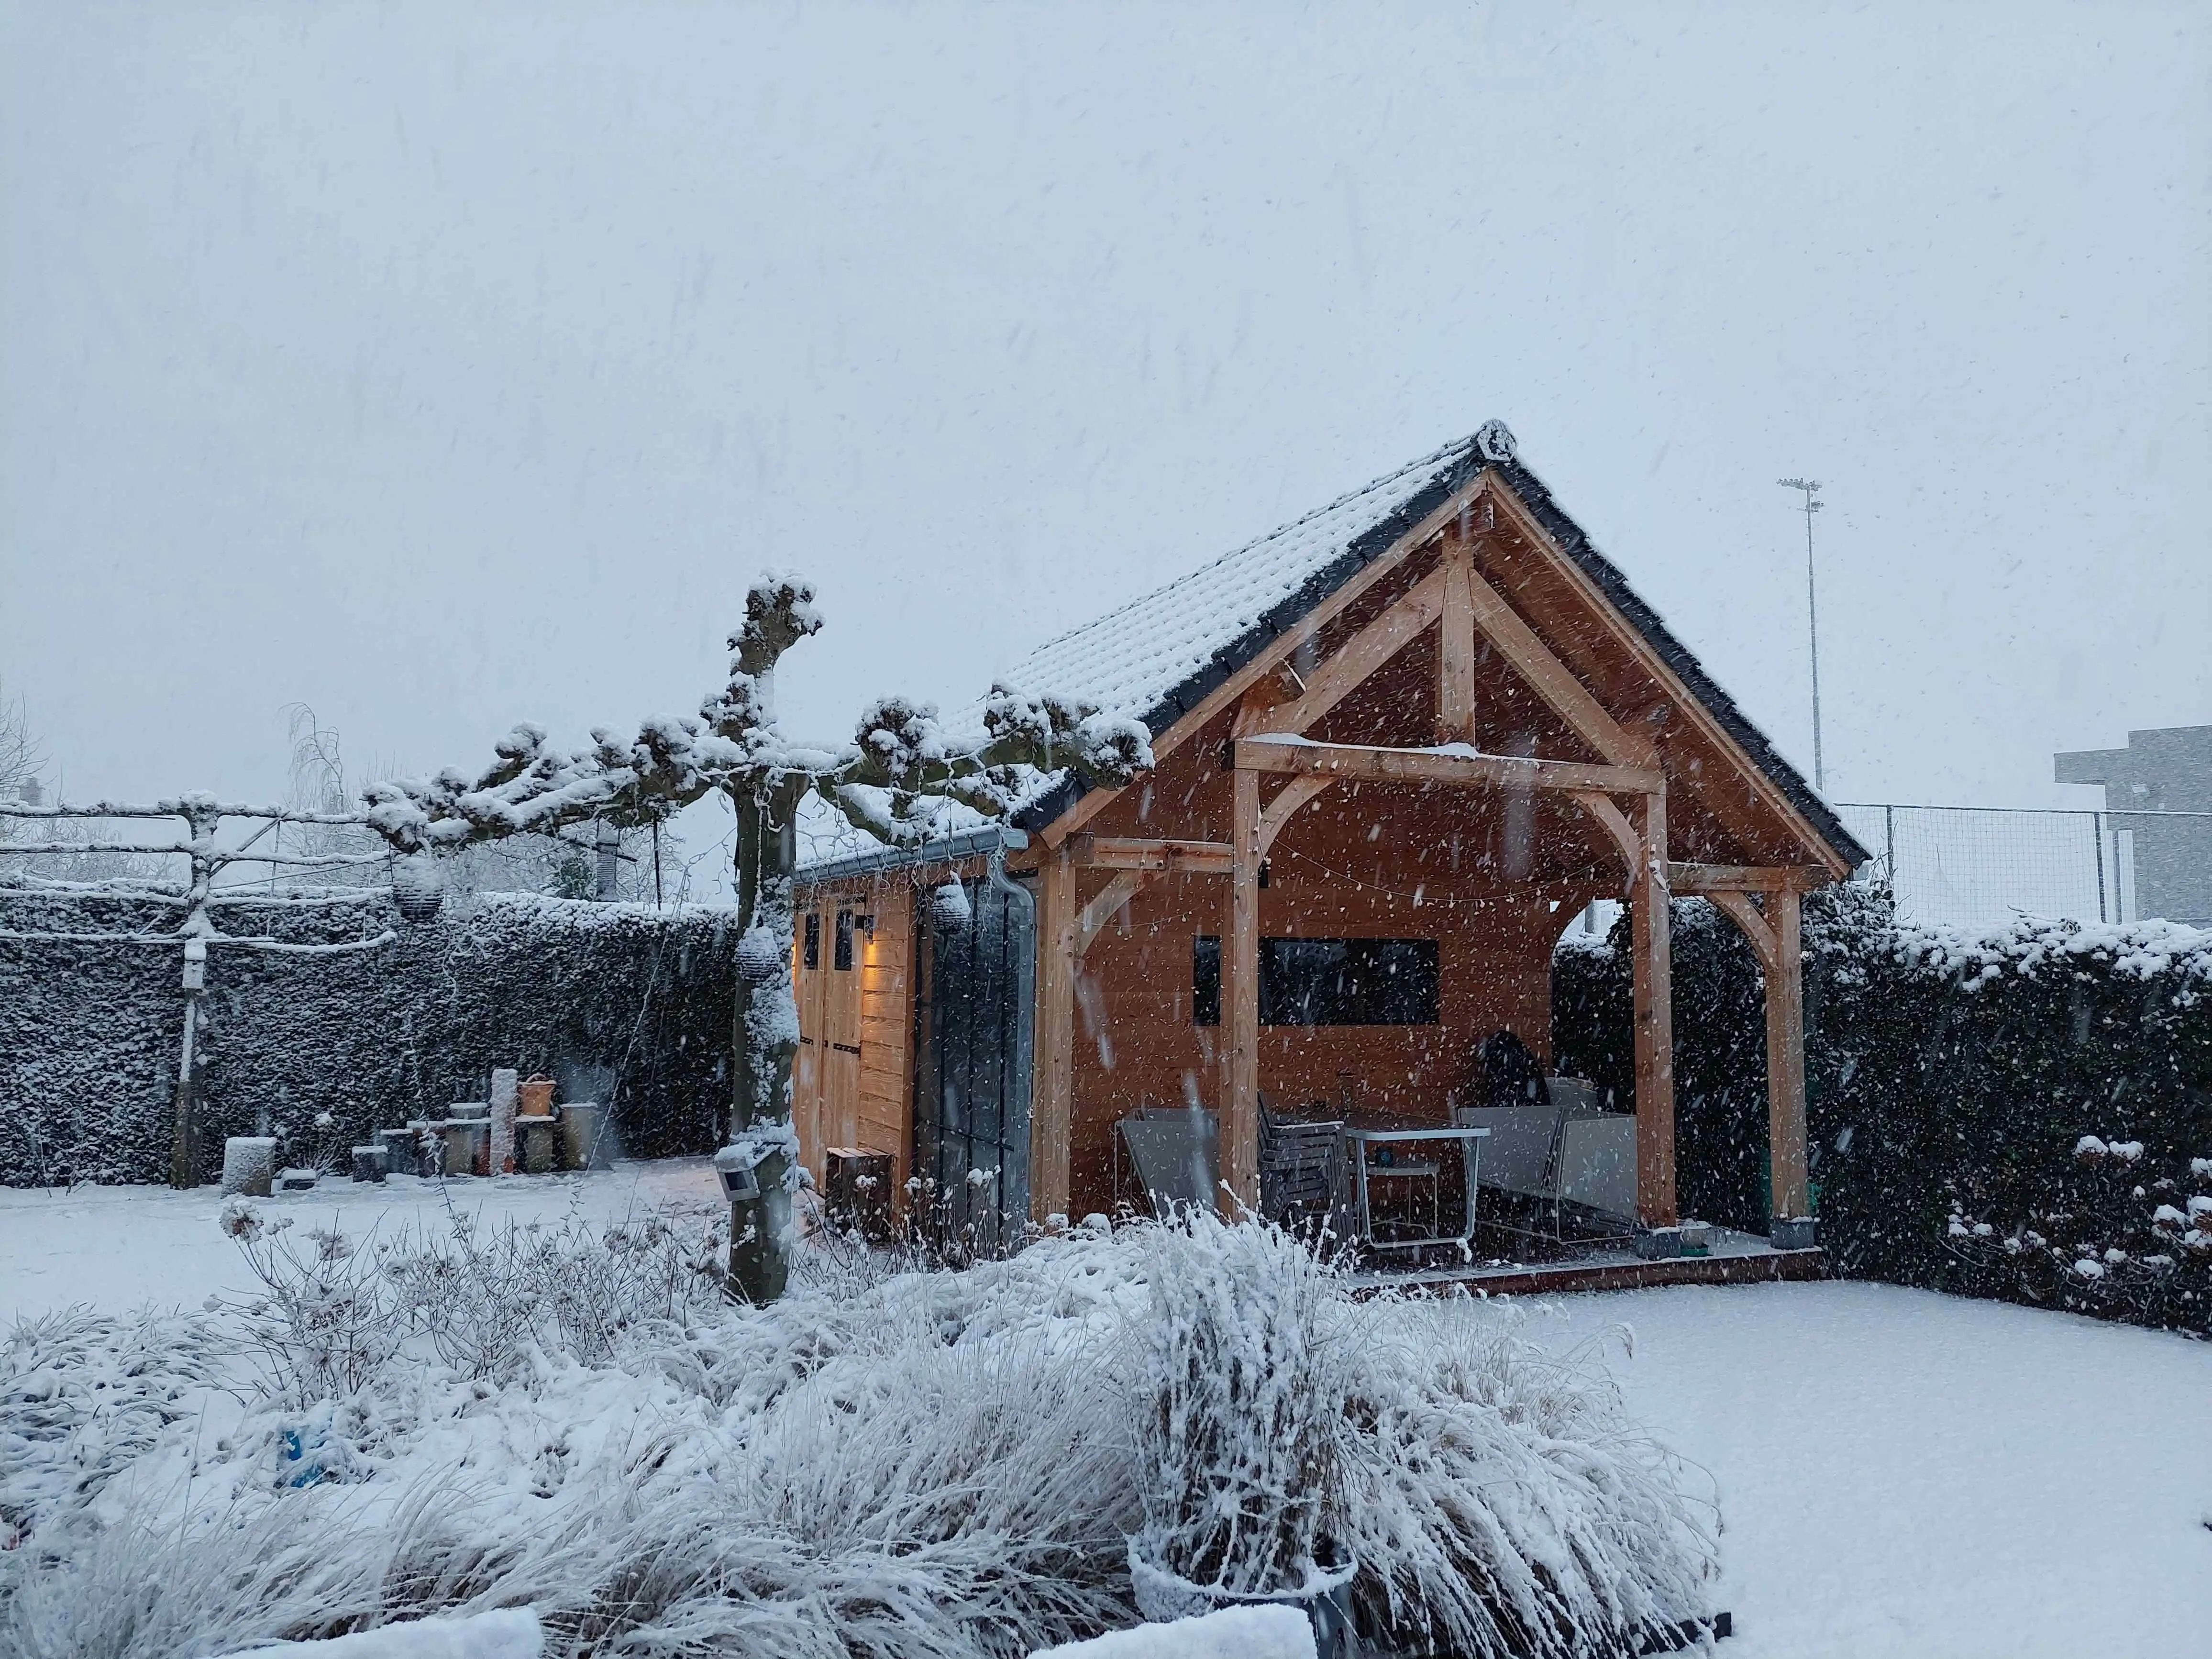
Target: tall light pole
x,y
1812,618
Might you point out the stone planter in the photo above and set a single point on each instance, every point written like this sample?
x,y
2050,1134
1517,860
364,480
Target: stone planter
x,y
403,1150
1792,1233
468,1145
419,1149
369,1164
581,1139
249,1164
537,1144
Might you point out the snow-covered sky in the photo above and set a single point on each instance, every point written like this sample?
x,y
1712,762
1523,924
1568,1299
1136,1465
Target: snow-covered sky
x,y
443,365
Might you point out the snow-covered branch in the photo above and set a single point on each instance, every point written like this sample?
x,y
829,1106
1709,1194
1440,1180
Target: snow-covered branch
x,y
889,782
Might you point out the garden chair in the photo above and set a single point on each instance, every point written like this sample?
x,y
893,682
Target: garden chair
x,y
1565,1150
1301,1169
1175,1153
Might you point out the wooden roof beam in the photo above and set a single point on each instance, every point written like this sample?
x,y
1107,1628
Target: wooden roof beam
x,y
1351,665
1109,903
1196,858
1514,516
1295,793
1459,768
1550,678
1714,878
1757,933
1277,652
1614,823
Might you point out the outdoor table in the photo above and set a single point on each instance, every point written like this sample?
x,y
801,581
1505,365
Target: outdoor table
x,y
1364,1139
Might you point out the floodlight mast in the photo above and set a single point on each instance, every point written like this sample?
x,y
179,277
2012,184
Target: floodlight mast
x,y
1812,617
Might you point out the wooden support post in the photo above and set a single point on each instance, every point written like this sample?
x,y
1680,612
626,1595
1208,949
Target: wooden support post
x,y
1785,1059
1240,1005
1456,647
1053,1085
1652,977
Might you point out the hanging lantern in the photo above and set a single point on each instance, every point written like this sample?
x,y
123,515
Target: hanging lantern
x,y
418,886
761,957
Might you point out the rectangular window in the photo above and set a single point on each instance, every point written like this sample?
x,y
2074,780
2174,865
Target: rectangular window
x,y
810,950
1328,982
842,959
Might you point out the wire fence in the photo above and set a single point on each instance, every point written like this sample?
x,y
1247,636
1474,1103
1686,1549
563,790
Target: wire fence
x,y
1991,864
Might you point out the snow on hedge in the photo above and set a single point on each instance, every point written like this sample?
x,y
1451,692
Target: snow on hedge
x,y
2137,950
616,997
2016,1111
896,1463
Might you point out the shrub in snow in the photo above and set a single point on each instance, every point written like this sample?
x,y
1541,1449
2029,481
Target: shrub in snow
x,y
332,1316
622,997
83,1397
1945,1066
927,1466
1239,1409
2104,1235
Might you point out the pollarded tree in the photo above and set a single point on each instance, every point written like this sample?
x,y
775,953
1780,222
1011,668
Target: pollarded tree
x,y
889,782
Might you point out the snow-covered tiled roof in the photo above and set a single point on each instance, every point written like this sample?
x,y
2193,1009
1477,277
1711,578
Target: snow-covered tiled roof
x,y
1156,657
1129,661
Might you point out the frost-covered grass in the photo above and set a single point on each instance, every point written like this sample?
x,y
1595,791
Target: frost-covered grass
x,y
915,1463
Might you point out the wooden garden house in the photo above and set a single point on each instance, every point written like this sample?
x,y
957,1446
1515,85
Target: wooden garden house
x,y
1408,739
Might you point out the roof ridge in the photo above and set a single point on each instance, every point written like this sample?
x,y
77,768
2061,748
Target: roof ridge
x,y
1452,450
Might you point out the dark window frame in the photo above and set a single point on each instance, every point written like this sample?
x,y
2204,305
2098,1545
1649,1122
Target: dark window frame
x,y
810,948
1342,981
840,950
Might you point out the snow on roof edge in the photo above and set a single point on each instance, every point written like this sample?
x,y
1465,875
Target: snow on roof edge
x,y
1300,584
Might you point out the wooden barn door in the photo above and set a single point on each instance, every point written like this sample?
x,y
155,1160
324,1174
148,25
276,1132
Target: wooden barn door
x,y
841,1098
976,1010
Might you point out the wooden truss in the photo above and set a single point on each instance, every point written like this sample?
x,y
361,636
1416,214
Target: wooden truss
x,y
1624,793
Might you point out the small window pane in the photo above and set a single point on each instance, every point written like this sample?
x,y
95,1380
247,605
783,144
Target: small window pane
x,y
1205,980
810,949
843,958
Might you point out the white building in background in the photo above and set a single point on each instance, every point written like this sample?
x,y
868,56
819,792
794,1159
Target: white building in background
x,y
2167,771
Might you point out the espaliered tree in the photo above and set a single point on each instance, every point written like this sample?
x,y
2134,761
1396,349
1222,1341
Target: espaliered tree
x,y
891,781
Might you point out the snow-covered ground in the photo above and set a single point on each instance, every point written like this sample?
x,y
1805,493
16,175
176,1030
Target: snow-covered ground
x,y
1898,1472
1901,1473
116,1248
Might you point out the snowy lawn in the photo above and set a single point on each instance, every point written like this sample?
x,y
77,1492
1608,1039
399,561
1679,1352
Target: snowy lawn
x,y
119,1248
1902,1473
1898,1472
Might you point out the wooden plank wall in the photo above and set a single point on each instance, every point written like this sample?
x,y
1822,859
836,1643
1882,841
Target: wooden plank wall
x,y
852,1085
884,1105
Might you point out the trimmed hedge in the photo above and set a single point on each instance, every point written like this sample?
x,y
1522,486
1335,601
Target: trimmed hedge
x,y
620,1002
1952,1074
